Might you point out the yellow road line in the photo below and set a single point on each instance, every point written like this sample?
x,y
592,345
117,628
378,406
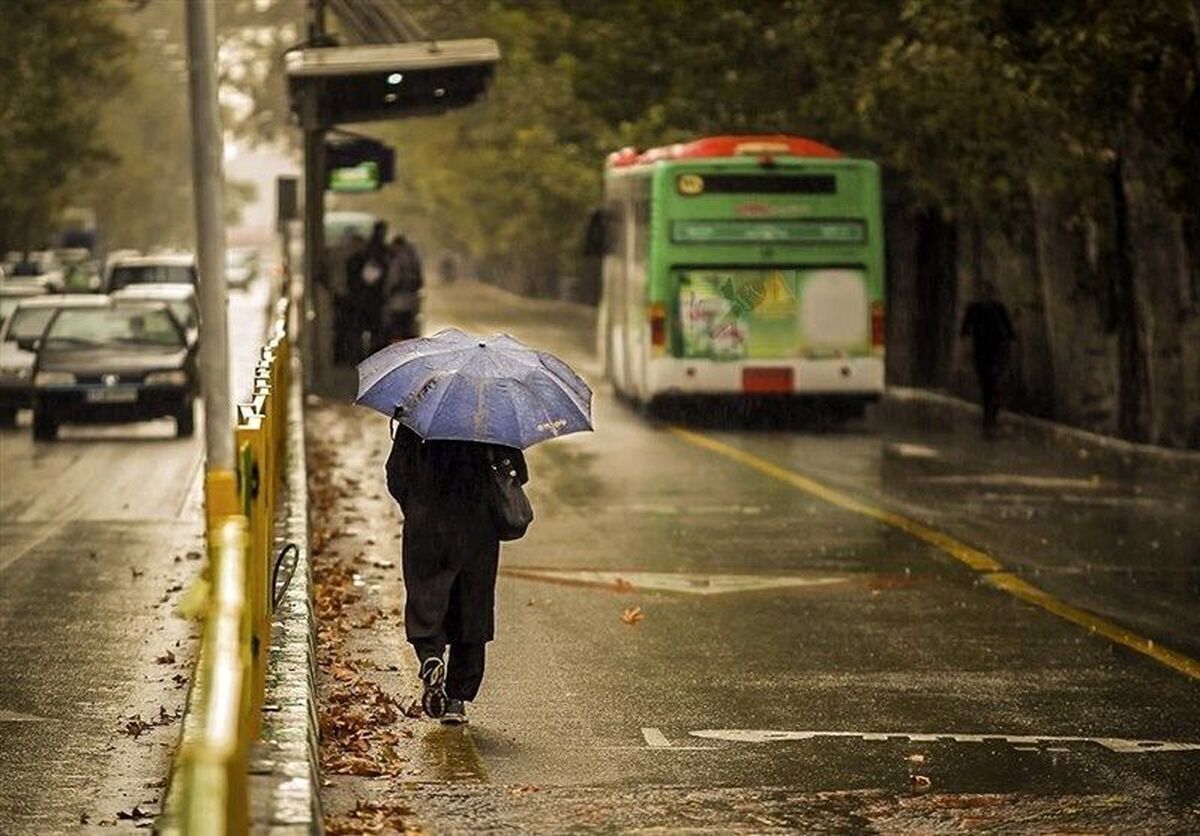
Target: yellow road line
x,y
1113,632
978,560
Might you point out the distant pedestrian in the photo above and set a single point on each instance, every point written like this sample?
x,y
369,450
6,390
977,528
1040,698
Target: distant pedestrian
x,y
451,548
345,259
365,273
448,268
402,290
987,323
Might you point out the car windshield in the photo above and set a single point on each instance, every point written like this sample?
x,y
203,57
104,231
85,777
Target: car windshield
x,y
128,274
7,305
29,323
184,312
114,327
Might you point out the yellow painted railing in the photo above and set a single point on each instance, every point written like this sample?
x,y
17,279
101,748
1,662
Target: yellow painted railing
x,y
208,793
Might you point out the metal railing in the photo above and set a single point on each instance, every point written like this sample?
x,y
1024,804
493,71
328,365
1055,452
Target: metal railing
x,y
208,791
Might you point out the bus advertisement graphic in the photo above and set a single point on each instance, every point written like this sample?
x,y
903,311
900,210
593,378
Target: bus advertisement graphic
x,y
760,313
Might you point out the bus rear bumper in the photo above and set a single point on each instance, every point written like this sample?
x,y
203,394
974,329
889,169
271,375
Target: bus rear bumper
x,y
855,376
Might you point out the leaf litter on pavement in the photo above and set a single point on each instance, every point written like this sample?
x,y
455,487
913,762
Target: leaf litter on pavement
x,y
363,725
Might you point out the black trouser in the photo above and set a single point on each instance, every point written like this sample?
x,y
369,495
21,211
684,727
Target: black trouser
x,y
989,373
464,670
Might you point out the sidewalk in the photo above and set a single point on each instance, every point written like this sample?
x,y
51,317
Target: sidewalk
x,y
366,676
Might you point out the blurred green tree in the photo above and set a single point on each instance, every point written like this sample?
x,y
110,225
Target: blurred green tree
x,y
61,63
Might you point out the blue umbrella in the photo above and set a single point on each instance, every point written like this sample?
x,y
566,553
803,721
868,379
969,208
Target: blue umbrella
x,y
456,386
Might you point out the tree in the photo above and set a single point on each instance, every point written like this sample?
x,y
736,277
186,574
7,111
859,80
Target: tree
x,y
61,64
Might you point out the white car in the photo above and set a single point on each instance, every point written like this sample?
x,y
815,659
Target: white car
x,y
164,268
180,300
241,266
41,266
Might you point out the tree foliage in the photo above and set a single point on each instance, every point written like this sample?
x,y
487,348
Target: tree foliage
x,y
968,103
61,63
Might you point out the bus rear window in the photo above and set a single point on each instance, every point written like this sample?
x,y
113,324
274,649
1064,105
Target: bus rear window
x,y
696,184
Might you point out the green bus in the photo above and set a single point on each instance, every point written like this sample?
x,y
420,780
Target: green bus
x,y
742,265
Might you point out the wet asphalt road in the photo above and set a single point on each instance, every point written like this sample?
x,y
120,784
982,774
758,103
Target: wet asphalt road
x,y
802,665
100,533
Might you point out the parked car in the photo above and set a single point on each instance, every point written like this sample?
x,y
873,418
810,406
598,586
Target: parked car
x,y
241,266
126,360
161,268
19,335
13,292
40,266
180,298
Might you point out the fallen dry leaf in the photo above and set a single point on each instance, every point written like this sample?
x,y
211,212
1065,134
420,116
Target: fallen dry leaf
x,y
167,658
632,615
370,817
134,814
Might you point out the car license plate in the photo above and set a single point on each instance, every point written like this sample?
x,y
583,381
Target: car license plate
x,y
766,381
112,395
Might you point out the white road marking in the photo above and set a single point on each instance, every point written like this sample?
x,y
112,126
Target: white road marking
x,y
13,556
1120,745
655,739
692,584
703,510
1069,498
7,716
913,451
1015,479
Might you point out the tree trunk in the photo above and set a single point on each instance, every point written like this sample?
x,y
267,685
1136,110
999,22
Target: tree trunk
x,y
1082,352
1133,326
1161,286
900,292
935,300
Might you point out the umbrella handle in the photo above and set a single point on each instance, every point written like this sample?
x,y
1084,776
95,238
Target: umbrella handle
x,y
394,422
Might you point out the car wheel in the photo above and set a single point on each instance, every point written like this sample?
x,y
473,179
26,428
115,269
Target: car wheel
x,y
8,417
185,421
45,425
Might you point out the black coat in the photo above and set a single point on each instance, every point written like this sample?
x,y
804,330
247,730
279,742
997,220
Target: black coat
x,y
451,549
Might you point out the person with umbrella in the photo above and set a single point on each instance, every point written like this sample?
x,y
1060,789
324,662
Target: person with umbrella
x,y
465,408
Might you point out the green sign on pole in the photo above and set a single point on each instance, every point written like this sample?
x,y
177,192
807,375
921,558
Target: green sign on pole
x,y
363,177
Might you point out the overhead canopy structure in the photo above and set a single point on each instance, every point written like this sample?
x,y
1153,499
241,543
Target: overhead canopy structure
x,y
388,81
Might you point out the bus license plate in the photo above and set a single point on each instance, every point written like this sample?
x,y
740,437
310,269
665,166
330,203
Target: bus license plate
x,y
112,395
767,381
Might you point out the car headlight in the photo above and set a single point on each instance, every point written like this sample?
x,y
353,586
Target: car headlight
x,y
172,378
54,379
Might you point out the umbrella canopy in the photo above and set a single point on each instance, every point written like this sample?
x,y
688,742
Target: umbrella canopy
x,y
457,386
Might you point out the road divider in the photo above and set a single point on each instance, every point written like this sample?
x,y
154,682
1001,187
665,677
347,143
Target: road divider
x,y
209,778
994,573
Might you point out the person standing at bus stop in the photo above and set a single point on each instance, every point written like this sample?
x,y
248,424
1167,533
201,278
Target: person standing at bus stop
x,y
987,324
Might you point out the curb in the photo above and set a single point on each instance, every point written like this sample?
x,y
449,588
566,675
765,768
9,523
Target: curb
x,y
904,404
285,777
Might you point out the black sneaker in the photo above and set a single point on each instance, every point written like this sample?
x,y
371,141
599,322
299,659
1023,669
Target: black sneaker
x,y
455,713
433,675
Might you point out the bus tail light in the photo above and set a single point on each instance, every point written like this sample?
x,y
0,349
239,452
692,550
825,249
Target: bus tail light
x,y
658,325
878,324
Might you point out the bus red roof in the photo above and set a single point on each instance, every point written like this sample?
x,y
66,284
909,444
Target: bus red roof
x,y
724,146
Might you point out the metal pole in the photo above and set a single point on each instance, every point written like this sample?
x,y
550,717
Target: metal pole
x,y
314,251
314,212
208,190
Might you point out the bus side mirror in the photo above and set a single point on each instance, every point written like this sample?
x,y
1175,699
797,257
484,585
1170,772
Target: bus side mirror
x,y
595,240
